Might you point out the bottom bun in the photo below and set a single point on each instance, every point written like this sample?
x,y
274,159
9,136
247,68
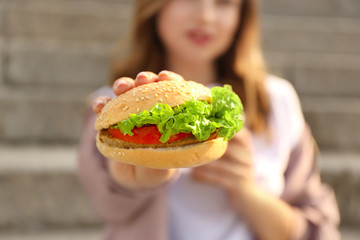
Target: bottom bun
x,y
164,158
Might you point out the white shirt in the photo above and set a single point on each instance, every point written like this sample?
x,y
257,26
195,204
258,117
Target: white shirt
x,y
202,211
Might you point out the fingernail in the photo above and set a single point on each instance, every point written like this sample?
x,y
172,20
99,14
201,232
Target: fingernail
x,y
120,82
164,75
98,102
142,76
164,72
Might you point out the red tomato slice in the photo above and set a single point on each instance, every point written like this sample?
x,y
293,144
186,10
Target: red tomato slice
x,y
145,135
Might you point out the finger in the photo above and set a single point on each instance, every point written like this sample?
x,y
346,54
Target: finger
x,y
147,177
122,173
145,77
208,177
242,137
238,156
99,103
224,169
122,85
168,75
222,174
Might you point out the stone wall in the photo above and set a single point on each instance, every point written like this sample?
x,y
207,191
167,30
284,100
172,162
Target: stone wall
x,y
53,52
315,45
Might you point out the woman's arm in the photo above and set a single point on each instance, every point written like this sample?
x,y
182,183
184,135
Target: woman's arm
x,y
316,211
307,209
268,217
111,201
119,191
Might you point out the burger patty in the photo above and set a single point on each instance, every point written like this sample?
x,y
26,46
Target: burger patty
x,y
108,139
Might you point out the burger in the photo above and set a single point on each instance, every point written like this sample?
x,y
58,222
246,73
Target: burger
x,y
169,124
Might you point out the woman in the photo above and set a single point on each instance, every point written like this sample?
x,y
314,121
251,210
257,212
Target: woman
x,y
264,187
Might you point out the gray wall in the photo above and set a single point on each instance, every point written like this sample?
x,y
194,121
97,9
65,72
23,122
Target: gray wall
x,y
53,52
316,45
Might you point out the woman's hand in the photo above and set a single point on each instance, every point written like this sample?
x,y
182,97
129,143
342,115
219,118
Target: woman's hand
x,y
233,171
124,84
135,177
269,217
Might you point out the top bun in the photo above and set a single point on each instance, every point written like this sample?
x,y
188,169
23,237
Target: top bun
x,y
144,97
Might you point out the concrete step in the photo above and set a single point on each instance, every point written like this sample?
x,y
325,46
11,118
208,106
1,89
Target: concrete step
x,y
318,74
334,121
54,62
326,8
74,64
350,233
320,56
342,172
39,189
76,20
41,114
95,234
311,34
74,234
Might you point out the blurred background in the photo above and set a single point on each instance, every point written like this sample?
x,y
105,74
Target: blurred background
x,y
53,53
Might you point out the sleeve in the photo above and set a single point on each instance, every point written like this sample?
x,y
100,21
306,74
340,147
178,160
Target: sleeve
x,y
113,203
314,203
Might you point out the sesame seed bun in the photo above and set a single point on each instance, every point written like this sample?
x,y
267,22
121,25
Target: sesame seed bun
x,y
142,98
145,96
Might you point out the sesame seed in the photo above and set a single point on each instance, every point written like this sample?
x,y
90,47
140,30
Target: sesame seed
x,y
147,97
142,98
136,99
126,107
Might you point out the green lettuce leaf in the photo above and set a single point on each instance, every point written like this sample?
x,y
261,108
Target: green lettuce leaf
x,y
197,117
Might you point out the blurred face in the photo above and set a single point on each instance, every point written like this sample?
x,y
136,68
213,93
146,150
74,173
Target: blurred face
x,y
198,31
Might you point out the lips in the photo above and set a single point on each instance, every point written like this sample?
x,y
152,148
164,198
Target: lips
x,y
199,36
